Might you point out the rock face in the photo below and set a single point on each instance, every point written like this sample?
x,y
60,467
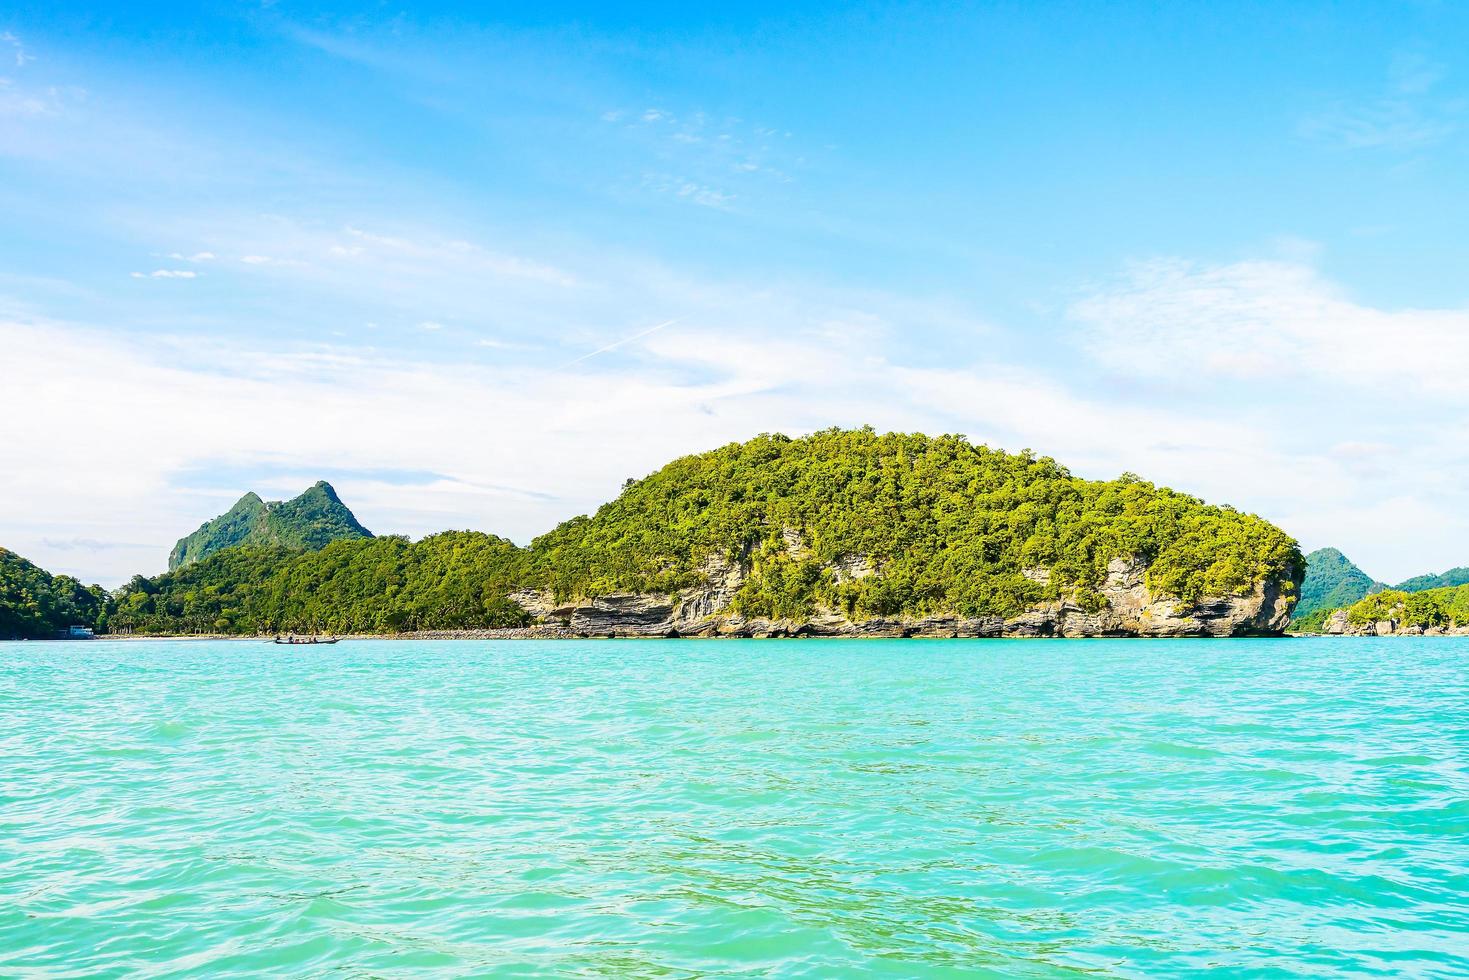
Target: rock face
x,y
1337,624
1130,609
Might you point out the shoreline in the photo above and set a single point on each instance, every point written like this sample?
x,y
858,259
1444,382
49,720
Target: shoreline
x,y
521,635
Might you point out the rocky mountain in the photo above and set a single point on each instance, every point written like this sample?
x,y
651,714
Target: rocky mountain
x,y
306,522
1332,582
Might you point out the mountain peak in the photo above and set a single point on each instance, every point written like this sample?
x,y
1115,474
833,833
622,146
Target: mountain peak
x,y
311,520
1332,582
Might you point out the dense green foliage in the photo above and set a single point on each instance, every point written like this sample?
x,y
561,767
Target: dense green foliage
x,y
35,603
949,526
1447,580
873,525
1445,607
312,520
457,579
1332,582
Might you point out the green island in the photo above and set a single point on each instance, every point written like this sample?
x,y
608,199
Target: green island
x,y
831,532
1337,597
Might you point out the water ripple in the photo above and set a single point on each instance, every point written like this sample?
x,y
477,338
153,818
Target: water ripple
x,y
1010,808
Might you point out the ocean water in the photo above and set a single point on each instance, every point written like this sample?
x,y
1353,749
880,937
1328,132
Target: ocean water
x,y
735,808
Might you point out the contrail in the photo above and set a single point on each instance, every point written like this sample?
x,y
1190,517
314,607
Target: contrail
x,y
618,343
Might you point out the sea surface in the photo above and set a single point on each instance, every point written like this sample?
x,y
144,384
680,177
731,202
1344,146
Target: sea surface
x,y
901,808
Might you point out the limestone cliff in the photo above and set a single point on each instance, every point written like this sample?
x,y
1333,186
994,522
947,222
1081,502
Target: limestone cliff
x,y
1338,624
1129,609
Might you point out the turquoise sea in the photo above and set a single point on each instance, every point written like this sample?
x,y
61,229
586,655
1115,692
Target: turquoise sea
x,y
736,808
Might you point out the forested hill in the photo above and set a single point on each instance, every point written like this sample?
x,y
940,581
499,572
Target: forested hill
x,y
864,524
942,524
1332,581
36,604
312,520
1452,578
453,580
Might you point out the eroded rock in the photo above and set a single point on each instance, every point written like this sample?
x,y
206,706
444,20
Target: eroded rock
x,y
1128,609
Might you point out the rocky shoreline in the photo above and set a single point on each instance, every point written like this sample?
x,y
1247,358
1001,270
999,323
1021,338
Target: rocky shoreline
x,y
1337,624
1129,609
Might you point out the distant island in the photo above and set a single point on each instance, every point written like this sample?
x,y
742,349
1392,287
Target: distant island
x,y
840,533
1338,598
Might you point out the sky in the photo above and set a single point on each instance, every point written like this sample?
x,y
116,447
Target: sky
x,y
478,264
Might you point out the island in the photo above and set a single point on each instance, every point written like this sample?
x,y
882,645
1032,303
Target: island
x,y
839,533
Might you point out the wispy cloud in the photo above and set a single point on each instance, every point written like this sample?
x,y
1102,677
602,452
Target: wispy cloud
x,y
620,343
689,190
17,48
709,151
166,274
1405,115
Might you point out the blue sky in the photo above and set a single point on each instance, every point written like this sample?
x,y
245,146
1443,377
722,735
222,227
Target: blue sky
x,y
478,265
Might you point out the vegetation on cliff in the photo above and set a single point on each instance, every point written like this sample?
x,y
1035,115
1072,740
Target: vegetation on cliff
x,y
1445,607
309,521
35,603
947,526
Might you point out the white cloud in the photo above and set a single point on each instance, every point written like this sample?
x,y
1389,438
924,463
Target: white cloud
x,y
256,259
1270,321
196,257
430,325
166,274
563,438
1366,404
1182,343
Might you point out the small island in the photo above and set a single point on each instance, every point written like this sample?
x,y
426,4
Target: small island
x,y
839,533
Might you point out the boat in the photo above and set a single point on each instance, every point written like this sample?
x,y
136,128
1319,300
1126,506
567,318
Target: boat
x,y
307,641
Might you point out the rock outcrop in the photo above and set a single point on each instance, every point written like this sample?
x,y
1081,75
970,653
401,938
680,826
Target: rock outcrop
x,y
1338,624
1129,609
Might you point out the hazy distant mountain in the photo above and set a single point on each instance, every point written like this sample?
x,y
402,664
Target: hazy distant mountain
x,y
312,520
1332,582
